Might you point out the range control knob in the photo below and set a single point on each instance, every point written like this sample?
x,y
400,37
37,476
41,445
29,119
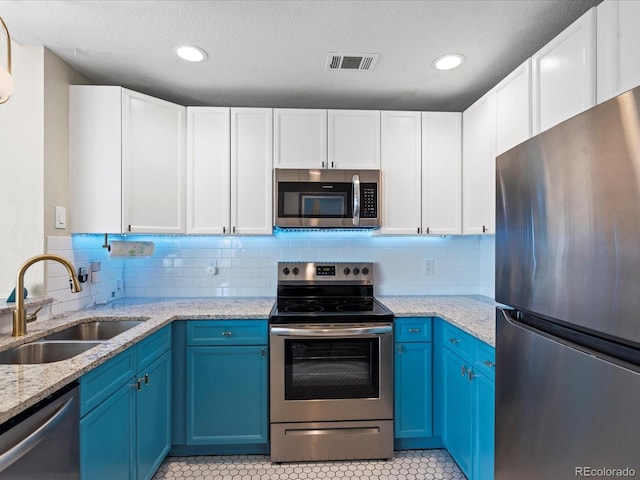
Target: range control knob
x,y
285,270
346,271
295,270
365,271
356,270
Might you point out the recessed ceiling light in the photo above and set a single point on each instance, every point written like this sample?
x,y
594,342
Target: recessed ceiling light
x,y
191,53
448,61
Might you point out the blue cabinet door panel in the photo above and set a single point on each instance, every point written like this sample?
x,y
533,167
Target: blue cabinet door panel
x,y
484,440
107,439
227,395
413,390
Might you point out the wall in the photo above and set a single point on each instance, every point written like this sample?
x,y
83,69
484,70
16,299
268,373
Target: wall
x,y
246,266
58,75
22,170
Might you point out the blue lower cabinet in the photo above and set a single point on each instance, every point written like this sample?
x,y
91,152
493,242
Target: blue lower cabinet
x,y
484,441
153,416
226,398
457,410
107,439
126,412
468,402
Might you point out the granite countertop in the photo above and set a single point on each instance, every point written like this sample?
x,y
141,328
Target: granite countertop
x,y
21,386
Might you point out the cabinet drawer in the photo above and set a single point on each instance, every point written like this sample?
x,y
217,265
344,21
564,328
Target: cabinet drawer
x,y
101,382
485,360
412,329
153,346
459,342
227,332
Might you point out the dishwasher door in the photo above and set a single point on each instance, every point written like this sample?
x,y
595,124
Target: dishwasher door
x,y
43,442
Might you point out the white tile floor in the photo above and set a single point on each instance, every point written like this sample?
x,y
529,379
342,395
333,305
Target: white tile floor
x,y
406,465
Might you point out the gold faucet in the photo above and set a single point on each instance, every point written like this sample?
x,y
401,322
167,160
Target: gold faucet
x,y
20,314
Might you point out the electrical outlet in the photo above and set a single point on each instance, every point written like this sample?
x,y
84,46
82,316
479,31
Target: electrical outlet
x,y
428,266
212,268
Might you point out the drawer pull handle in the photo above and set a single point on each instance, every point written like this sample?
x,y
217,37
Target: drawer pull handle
x,y
464,370
414,330
146,379
489,363
471,375
227,334
455,341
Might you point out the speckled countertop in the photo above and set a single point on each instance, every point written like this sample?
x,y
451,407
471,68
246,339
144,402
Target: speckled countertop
x,y
21,386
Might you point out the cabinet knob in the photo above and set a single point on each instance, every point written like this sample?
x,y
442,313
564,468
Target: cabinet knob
x,y
139,384
322,164
463,370
414,330
234,229
471,375
399,349
263,352
454,341
224,229
227,334
484,229
146,379
489,363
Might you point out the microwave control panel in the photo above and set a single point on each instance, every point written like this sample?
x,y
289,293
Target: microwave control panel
x,y
369,200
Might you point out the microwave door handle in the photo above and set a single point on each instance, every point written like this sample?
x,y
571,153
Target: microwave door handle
x,y
356,200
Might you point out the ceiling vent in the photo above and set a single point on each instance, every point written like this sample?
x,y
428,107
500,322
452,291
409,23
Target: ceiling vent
x,y
352,61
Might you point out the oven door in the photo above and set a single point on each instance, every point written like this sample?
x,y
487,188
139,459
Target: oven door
x,y
331,372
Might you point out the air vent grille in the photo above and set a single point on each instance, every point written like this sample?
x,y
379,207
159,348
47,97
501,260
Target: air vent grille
x,y
352,61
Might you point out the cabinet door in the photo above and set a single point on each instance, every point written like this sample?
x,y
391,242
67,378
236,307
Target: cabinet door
x,y
441,173
227,395
153,416
400,163
478,168
484,424
299,138
513,108
457,410
564,74
208,170
95,153
251,170
618,39
107,438
354,139
153,164
413,387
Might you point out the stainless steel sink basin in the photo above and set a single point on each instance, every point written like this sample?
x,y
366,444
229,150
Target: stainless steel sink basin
x,y
94,330
44,352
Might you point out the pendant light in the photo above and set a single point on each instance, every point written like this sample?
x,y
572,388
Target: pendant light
x,y
6,81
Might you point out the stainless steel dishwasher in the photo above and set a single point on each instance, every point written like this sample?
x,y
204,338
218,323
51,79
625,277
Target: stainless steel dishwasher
x,y
43,441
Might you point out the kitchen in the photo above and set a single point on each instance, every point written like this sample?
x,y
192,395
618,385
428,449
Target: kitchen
x,y
461,265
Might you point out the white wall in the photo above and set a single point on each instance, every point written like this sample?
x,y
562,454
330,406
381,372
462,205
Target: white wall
x,y
22,171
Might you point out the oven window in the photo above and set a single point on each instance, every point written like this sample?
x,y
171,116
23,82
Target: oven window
x,y
332,368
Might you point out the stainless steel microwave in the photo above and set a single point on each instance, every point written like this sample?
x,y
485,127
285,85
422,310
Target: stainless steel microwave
x,y
326,198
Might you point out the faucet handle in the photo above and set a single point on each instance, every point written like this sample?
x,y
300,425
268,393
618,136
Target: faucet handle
x,y
32,317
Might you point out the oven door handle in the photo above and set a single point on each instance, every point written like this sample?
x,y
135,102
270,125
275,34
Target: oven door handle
x,y
356,199
331,332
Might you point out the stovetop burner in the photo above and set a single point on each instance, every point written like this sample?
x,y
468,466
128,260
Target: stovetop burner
x,y
327,292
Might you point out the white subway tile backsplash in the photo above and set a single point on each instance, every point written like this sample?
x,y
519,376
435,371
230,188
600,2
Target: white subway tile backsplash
x,y
246,266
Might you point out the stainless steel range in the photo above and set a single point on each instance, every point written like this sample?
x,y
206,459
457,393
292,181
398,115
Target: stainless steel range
x,y
331,365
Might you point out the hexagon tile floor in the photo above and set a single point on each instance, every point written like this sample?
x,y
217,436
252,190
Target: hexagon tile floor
x,y
406,465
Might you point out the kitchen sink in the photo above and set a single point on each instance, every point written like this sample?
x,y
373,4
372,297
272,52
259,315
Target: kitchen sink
x,y
44,352
94,330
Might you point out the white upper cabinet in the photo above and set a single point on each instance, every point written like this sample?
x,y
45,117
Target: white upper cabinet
x,y
153,164
127,162
513,108
401,166
618,41
208,170
251,171
299,138
564,74
354,139
478,167
441,173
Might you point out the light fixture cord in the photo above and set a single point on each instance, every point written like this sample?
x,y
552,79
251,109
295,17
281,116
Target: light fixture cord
x,y
6,31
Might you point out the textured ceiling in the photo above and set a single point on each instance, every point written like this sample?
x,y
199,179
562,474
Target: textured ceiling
x,y
272,53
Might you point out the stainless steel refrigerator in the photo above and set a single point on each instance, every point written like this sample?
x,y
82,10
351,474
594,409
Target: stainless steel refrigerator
x,y
568,265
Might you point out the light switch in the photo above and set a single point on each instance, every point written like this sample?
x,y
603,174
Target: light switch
x,y
60,220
